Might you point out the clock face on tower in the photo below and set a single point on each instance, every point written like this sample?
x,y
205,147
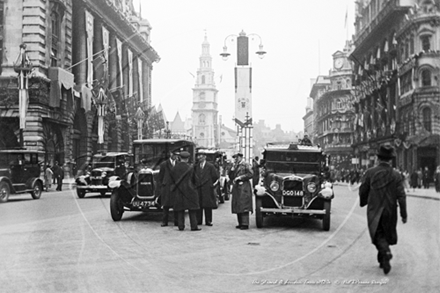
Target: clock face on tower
x,y
338,63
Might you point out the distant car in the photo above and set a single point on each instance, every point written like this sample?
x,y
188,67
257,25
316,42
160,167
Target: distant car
x,y
293,183
20,173
138,190
104,168
217,158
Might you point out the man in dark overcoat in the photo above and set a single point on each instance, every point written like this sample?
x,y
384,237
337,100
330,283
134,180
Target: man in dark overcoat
x,y
382,190
205,176
241,174
184,193
255,171
164,181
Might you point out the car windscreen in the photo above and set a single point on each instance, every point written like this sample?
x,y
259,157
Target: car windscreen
x,y
103,162
156,153
293,162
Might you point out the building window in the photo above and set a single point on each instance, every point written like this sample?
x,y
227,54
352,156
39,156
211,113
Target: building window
x,y
202,96
202,119
203,79
426,77
56,15
427,118
426,42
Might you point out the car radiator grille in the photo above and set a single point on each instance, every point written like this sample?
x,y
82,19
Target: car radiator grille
x,y
292,185
145,185
96,182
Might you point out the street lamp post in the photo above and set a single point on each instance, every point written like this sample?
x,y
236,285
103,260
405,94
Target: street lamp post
x,y
22,66
243,90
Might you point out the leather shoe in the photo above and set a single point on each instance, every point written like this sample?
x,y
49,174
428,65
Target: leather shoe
x,y
196,229
238,227
181,229
244,227
163,224
209,224
385,265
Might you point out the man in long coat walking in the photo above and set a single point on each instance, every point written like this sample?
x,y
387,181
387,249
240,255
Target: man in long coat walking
x,y
205,176
185,194
382,190
241,174
164,182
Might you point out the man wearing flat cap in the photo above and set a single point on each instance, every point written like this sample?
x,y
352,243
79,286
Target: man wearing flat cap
x,y
241,174
382,191
164,181
184,193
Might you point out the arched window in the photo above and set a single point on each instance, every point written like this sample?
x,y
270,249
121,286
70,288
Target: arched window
x,y
426,77
202,119
203,79
427,118
426,42
202,96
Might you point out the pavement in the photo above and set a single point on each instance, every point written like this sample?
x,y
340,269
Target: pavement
x,y
429,193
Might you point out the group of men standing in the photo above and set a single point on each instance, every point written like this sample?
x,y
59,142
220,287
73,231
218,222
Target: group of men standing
x,y
183,186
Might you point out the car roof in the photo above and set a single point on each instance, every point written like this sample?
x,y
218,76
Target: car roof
x,y
292,147
111,154
21,152
160,140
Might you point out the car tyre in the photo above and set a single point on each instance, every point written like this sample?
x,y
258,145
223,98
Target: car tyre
x,y
116,206
4,192
259,217
80,192
37,189
326,218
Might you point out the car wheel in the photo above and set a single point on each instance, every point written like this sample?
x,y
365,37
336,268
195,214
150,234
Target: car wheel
x,y
326,219
37,189
4,192
116,206
80,192
258,214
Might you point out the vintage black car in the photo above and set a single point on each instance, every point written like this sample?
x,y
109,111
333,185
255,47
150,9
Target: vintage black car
x,y
293,183
137,191
218,158
20,173
104,168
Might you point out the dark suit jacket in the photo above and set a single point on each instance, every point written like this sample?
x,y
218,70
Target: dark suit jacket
x,y
204,180
164,182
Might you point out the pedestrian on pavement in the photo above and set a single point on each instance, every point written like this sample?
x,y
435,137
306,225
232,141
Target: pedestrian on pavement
x,y
48,174
60,178
184,193
205,179
382,190
414,179
165,180
426,178
56,169
419,178
255,171
240,174
437,179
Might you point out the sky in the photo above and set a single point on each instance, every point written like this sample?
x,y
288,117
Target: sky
x,y
299,37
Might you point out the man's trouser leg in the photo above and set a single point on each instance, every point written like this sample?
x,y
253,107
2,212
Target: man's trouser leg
x,y
239,219
199,214
181,219
245,219
193,219
208,216
165,212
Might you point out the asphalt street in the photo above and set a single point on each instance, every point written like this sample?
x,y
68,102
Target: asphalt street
x,y
60,243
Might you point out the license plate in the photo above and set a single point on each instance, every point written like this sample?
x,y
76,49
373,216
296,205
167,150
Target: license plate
x,y
293,192
143,204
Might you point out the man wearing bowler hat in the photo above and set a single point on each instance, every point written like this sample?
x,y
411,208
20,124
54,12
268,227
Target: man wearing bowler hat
x,y
164,181
185,194
205,175
241,174
382,190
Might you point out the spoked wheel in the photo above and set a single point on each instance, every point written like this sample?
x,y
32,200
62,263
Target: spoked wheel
x,y
4,192
116,206
37,190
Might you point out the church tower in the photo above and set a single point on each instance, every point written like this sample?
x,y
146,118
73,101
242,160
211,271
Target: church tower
x,y
205,107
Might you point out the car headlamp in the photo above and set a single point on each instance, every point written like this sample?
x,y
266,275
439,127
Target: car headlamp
x,y
104,174
274,186
311,187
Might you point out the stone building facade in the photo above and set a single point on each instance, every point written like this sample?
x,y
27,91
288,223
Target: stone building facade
x,y
92,63
397,71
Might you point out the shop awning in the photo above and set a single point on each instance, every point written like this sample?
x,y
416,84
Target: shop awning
x,y
58,78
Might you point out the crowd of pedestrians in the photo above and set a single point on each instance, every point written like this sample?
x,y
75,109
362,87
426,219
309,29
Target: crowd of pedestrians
x,y
183,186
